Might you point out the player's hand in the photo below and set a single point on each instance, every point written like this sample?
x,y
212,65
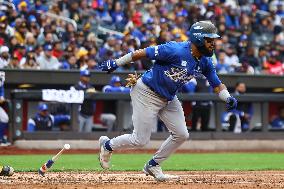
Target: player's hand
x,y
109,66
231,103
2,100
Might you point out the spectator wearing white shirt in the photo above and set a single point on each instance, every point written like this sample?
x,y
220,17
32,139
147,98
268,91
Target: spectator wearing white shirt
x,y
46,60
232,59
4,56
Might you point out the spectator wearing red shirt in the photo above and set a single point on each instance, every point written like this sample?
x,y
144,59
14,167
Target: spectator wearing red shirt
x,y
57,50
273,64
20,51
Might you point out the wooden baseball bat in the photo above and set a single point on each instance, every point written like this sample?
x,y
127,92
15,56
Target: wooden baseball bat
x,y
45,167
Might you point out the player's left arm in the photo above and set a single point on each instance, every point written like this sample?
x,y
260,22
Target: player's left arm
x,y
219,88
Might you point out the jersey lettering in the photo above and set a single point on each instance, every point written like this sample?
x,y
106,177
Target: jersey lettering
x,y
178,75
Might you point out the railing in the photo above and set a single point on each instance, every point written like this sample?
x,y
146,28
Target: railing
x,y
66,19
8,3
21,96
109,31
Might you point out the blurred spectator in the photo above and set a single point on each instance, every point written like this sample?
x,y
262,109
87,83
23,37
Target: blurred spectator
x,y
4,37
91,64
70,63
30,40
262,56
21,32
250,58
118,16
46,60
30,63
4,25
82,56
80,36
278,122
231,58
57,51
4,56
273,64
20,51
4,118
44,121
14,63
238,120
29,52
88,108
222,66
33,26
47,36
41,6
245,68
232,19
242,45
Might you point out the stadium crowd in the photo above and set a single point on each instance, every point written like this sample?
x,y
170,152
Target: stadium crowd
x,y
252,32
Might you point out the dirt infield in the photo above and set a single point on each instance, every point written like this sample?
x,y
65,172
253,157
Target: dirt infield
x,y
133,180
119,180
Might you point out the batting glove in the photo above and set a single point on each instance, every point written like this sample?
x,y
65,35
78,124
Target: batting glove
x,y
6,171
231,103
109,66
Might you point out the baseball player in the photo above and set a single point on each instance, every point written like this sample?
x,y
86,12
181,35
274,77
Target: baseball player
x,y
154,94
115,86
4,118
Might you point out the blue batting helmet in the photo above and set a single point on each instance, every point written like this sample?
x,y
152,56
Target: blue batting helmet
x,y
115,79
200,30
42,107
85,73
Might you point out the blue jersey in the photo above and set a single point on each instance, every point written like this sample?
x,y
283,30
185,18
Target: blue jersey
x,y
175,66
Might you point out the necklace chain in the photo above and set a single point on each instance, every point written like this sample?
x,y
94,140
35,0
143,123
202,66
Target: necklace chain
x,y
197,59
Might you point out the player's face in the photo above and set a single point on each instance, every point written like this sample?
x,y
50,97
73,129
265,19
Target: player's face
x,y
44,112
208,48
117,84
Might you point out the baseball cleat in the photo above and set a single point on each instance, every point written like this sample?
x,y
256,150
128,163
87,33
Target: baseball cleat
x,y
157,173
105,155
6,171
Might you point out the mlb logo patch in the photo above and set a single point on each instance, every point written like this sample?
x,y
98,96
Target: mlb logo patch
x,y
183,63
198,27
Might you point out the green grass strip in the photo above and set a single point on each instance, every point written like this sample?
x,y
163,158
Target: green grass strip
x,y
135,162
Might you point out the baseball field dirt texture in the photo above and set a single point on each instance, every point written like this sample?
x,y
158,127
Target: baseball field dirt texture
x,y
134,179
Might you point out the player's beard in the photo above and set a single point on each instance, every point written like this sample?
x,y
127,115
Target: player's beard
x,y
205,51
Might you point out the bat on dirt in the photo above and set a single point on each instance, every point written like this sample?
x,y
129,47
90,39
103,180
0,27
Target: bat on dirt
x,y
45,167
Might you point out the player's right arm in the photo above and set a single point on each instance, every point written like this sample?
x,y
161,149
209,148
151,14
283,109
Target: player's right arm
x,y
161,52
